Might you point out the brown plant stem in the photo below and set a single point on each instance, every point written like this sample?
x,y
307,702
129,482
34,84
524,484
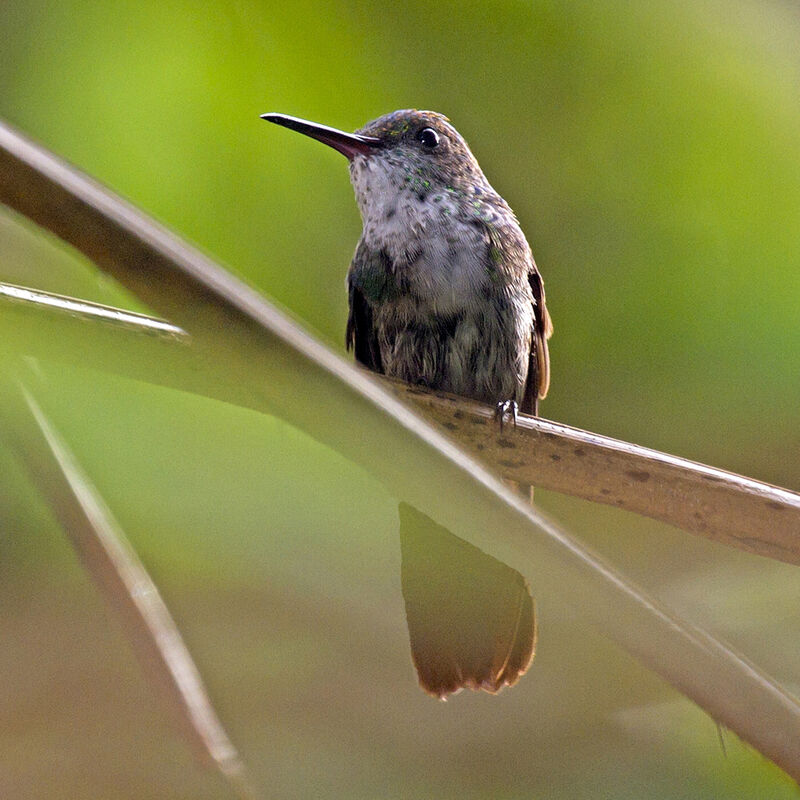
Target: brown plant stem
x,y
718,505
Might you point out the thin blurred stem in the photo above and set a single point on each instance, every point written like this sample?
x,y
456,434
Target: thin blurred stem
x,y
120,577
235,329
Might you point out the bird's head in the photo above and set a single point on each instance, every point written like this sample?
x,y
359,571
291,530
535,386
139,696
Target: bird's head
x,y
404,151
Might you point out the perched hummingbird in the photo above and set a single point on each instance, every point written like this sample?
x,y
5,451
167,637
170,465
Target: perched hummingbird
x,y
443,288
444,292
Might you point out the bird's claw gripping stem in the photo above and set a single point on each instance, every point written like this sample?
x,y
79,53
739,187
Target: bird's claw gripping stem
x,y
506,407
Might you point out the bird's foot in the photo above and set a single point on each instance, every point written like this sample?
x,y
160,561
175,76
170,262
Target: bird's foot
x,y
506,407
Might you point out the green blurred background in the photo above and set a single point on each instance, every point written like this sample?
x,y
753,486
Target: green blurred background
x,y
651,153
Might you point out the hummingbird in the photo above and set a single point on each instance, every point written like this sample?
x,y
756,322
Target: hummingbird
x,y
443,290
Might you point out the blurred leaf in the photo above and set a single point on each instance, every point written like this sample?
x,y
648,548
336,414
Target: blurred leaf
x,y
650,152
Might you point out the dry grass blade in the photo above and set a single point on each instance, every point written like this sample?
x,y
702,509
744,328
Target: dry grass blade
x,y
236,329
121,578
718,505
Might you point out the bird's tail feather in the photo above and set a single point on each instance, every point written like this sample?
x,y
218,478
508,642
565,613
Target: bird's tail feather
x,y
471,618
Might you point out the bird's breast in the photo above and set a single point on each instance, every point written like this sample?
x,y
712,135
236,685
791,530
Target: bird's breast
x,y
440,261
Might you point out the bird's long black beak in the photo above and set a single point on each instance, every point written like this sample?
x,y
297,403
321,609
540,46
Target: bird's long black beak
x,y
349,144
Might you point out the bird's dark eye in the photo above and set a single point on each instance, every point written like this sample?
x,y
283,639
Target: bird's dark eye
x,y
428,137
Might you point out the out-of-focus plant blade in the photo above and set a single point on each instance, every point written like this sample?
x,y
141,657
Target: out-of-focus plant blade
x,y
238,330
121,578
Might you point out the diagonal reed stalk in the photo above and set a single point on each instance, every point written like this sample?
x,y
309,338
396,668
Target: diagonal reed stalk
x,y
236,331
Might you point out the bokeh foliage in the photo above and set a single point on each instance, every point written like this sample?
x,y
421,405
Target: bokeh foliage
x,y
650,151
